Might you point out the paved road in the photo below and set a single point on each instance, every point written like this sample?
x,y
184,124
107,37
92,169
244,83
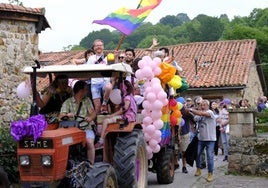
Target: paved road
x,y
221,180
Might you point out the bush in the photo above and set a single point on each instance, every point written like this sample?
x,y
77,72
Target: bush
x,y
8,154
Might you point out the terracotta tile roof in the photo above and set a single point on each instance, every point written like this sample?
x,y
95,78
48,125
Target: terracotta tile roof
x,y
21,9
219,64
61,58
21,13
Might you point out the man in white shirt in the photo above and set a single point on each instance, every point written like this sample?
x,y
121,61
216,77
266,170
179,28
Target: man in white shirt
x,y
206,136
99,85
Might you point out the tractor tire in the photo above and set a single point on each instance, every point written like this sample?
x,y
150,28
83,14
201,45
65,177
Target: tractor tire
x,y
165,167
3,178
130,160
101,175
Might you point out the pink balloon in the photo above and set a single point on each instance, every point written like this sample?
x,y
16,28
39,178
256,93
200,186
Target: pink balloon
x,y
147,58
156,149
139,74
142,63
162,95
158,105
157,60
146,71
153,65
158,124
158,139
147,120
150,129
148,89
165,102
147,137
157,88
157,134
115,96
145,112
156,114
153,142
149,155
149,149
150,97
155,81
157,71
146,105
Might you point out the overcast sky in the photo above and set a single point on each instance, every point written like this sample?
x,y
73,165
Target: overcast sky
x,y
71,20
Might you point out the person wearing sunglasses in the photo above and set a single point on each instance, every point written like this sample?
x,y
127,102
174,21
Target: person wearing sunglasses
x,y
121,58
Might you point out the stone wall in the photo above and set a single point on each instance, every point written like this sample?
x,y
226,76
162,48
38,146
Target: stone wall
x,y
18,48
248,152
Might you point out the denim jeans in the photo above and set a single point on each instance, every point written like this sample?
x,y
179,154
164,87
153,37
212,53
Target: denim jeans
x,y
209,145
225,142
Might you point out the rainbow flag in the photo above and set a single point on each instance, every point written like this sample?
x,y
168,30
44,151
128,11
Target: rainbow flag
x,y
127,20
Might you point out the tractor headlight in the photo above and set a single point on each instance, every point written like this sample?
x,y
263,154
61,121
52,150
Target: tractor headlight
x,y
46,160
24,160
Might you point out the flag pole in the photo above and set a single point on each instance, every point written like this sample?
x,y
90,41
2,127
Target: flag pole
x,y
123,35
120,42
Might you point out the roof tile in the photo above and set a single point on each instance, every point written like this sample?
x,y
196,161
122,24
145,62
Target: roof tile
x,y
21,9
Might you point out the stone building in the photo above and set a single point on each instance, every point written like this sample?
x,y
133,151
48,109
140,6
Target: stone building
x,y
19,29
214,70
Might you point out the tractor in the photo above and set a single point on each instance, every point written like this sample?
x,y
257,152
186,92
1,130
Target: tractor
x,y
58,157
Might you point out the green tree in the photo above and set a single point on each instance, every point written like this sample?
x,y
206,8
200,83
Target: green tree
x,y
183,17
15,2
210,28
172,21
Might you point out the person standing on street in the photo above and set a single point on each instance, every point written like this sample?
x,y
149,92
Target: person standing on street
x,y
206,136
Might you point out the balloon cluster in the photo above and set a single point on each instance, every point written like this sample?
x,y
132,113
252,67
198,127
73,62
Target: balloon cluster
x,y
155,98
176,105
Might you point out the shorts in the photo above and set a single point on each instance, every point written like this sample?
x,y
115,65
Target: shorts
x,y
185,141
97,90
90,134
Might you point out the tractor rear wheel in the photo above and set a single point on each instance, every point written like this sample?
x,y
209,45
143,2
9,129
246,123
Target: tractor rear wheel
x,y
130,160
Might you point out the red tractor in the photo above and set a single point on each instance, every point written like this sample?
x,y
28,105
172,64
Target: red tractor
x,y
58,157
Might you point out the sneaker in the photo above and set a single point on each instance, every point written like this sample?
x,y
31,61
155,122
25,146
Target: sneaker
x,y
210,177
225,158
104,109
184,170
215,158
98,145
198,172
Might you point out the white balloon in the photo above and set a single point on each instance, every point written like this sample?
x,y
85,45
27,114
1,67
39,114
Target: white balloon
x,y
71,82
115,96
23,90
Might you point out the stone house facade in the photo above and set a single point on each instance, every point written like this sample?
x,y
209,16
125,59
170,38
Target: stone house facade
x,y
19,29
